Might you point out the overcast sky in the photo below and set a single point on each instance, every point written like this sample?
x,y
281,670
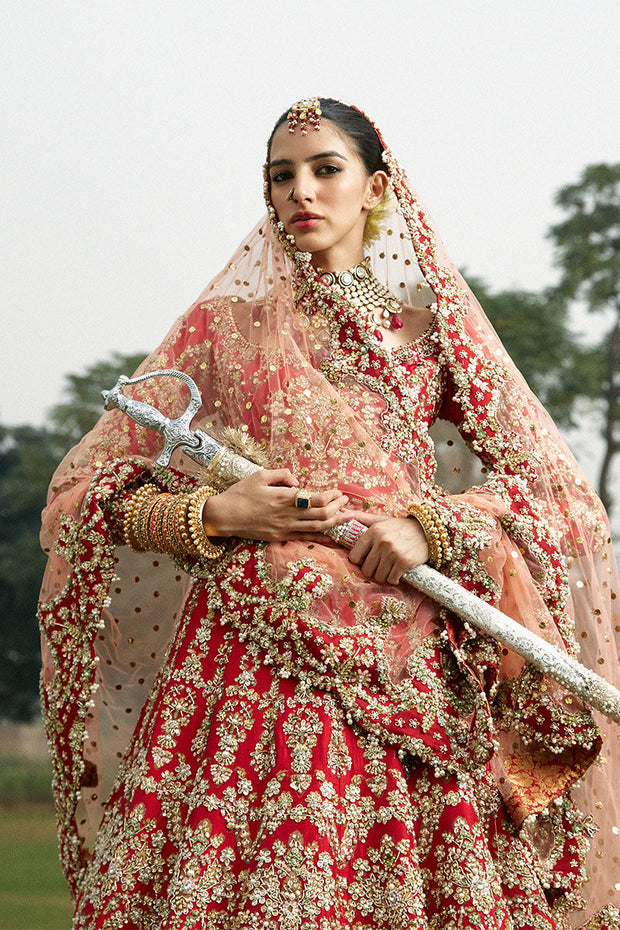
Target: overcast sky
x,y
134,134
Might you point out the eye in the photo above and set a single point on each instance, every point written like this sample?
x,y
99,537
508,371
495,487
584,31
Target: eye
x,y
329,169
281,176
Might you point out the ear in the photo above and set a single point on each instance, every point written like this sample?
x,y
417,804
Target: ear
x,y
375,189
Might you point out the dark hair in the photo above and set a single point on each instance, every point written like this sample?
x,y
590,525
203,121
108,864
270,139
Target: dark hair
x,y
354,125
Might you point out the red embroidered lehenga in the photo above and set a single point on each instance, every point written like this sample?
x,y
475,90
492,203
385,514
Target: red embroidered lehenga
x,y
272,741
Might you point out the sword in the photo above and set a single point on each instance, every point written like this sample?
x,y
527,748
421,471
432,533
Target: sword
x,y
226,467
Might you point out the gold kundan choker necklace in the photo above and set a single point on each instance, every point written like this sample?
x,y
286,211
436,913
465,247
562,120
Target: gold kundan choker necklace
x,y
365,292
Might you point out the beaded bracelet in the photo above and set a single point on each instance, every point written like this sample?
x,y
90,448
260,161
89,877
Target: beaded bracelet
x,y
199,538
143,497
444,537
435,532
183,524
440,527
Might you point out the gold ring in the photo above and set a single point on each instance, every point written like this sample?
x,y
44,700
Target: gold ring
x,y
303,500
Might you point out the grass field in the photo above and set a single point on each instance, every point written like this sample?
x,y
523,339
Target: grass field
x,y
33,892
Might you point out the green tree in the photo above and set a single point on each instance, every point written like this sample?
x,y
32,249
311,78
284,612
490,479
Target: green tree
x,y
587,243
534,328
26,463
82,404
28,457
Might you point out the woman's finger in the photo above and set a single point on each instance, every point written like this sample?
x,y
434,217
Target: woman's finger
x,y
361,548
365,517
277,476
370,565
395,574
327,514
318,500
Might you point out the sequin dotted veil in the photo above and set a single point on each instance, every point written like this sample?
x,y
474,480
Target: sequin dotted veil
x,y
282,357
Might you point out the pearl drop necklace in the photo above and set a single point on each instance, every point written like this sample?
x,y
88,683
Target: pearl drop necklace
x,y
365,292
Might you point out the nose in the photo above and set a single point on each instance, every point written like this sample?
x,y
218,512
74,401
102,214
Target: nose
x,y
303,189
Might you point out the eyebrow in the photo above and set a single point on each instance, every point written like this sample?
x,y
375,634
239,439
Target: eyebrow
x,y
288,161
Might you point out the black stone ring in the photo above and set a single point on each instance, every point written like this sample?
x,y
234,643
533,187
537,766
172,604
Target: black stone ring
x,y
303,500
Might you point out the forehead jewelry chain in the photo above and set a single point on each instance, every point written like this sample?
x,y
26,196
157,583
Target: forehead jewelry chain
x,y
365,292
305,113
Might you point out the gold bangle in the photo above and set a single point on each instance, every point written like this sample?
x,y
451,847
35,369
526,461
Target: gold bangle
x,y
175,524
170,510
434,530
134,538
169,522
199,538
143,522
157,516
446,545
186,540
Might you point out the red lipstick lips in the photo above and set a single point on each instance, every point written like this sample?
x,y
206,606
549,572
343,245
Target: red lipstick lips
x,y
304,220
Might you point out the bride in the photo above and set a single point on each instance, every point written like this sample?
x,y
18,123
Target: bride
x,y
253,727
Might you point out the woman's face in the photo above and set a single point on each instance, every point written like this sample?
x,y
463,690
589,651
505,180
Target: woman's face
x,y
322,193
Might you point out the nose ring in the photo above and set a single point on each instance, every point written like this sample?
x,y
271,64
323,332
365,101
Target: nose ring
x,y
291,192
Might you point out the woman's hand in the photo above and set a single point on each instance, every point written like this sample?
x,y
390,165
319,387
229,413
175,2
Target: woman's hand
x,y
389,548
263,507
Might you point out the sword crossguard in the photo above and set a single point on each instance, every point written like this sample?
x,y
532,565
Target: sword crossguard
x,y
177,432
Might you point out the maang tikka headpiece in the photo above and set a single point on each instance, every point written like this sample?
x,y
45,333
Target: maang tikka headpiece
x,y
305,113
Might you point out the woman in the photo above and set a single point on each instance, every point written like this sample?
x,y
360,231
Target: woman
x,y
253,727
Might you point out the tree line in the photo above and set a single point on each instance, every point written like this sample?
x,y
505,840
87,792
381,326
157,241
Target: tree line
x,y
535,327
